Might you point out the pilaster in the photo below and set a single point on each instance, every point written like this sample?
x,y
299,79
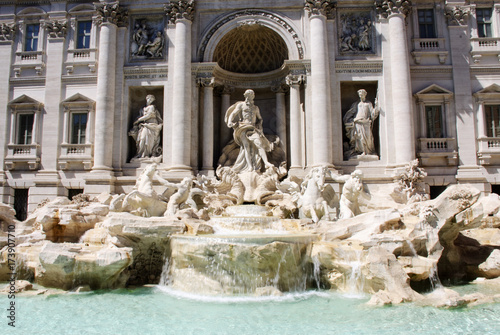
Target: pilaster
x,y
468,171
7,34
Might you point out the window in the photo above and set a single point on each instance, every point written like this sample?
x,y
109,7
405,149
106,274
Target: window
x,y
483,17
434,119
25,129
83,35
31,41
492,120
426,23
78,128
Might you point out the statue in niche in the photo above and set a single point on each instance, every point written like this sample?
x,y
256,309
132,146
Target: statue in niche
x,y
146,130
244,117
355,33
358,122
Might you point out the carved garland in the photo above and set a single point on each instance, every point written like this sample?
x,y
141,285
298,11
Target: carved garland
x,y
111,13
7,31
388,7
250,12
181,9
55,28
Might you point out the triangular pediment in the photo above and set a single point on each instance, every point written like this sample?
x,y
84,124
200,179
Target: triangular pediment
x,y
78,100
434,89
492,89
25,102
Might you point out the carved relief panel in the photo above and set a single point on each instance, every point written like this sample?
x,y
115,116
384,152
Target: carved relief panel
x,y
356,33
147,38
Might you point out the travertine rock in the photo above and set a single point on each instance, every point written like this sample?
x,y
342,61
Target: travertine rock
x,y
491,267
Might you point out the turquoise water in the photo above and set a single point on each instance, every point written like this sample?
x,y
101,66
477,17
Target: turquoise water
x,y
153,310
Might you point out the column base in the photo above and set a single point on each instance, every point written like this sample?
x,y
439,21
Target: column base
x,y
473,175
47,186
99,181
209,172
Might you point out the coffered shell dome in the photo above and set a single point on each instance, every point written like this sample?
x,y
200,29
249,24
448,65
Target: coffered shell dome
x,y
251,48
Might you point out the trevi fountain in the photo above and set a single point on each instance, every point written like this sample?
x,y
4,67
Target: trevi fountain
x,y
252,250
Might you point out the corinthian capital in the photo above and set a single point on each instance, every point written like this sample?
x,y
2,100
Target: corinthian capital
x,y
388,7
7,31
457,16
319,7
111,13
294,79
180,9
55,28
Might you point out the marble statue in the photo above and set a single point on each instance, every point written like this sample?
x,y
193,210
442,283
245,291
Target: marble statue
x,y
180,197
143,200
146,130
352,190
312,202
244,117
358,122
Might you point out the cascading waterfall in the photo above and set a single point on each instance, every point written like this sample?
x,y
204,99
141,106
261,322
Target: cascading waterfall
x,y
236,260
354,283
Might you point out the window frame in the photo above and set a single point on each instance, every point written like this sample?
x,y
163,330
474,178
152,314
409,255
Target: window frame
x,y
488,24
433,24
80,37
18,135
442,121
33,46
71,127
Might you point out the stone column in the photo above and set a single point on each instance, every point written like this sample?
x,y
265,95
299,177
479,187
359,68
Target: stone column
x,y
468,170
404,139
109,16
7,33
225,132
182,14
281,114
294,81
208,125
320,79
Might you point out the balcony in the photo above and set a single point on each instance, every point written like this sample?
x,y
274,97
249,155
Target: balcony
x,y
438,151
22,154
81,58
76,155
482,46
29,60
423,47
489,150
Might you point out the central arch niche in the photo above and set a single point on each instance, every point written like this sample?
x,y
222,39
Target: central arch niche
x,y
251,49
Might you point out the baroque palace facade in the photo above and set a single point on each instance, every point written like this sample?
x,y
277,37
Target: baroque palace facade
x,y
76,76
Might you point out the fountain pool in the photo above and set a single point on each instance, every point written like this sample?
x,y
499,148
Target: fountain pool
x,y
160,310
